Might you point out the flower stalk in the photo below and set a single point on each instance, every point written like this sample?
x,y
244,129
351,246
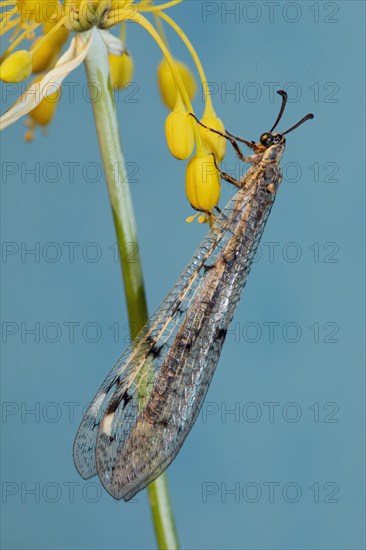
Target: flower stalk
x,y
97,69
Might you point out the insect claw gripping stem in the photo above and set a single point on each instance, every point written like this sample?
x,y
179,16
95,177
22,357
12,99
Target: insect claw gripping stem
x,y
226,136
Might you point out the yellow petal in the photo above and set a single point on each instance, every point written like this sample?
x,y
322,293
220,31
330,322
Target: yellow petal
x,y
202,183
121,68
167,85
179,134
16,67
214,143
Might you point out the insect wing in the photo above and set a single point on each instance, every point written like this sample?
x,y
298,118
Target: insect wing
x,y
133,449
86,437
127,465
121,393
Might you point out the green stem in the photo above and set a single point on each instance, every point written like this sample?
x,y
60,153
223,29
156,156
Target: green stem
x,y
97,70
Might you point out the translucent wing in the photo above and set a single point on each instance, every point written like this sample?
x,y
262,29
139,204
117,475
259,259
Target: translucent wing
x,y
143,358
138,441
148,403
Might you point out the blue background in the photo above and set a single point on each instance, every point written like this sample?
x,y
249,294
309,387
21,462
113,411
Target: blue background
x,y
316,436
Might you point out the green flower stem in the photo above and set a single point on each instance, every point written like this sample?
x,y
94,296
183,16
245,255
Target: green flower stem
x,y
97,69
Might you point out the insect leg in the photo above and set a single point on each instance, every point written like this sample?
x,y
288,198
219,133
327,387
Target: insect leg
x,y
251,144
227,176
216,219
238,151
221,213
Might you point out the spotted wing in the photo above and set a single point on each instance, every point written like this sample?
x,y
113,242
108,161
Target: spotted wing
x,y
135,371
142,431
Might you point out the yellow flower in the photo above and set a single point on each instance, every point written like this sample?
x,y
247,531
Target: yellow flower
x,y
47,23
55,19
167,86
121,67
202,183
16,67
179,132
214,143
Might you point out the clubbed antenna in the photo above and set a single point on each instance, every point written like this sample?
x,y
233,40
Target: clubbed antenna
x,y
284,96
307,117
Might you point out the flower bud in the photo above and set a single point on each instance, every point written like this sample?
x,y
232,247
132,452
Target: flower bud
x,y
179,134
121,68
166,82
16,67
45,110
202,182
214,143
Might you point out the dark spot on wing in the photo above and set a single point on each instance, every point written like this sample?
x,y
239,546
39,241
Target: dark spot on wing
x,y
155,350
113,405
205,269
229,261
221,333
150,340
188,345
179,309
126,398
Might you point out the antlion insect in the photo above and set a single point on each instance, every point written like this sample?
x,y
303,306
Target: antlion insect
x,y
147,405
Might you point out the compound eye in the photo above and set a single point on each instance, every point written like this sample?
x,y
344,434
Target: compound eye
x,y
266,139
